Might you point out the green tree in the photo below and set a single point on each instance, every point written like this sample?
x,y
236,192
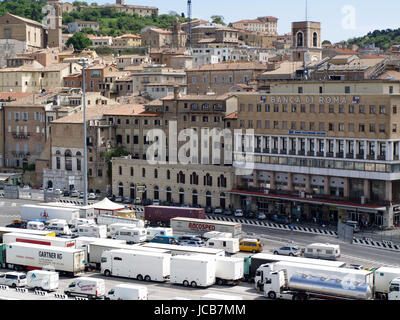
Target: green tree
x,y
79,41
326,42
115,153
218,19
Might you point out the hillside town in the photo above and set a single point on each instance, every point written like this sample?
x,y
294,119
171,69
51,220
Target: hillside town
x,y
324,116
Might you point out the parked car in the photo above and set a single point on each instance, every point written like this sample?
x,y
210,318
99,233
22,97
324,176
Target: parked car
x,y
249,214
239,213
228,212
188,237
288,251
81,195
74,194
118,199
218,210
261,216
58,192
192,243
156,202
280,219
13,279
92,196
66,193
208,209
50,190
127,200
353,224
138,200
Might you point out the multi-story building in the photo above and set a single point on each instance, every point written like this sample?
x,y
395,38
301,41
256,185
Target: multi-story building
x,y
214,34
126,41
202,181
77,26
326,150
221,77
267,25
131,60
156,37
100,41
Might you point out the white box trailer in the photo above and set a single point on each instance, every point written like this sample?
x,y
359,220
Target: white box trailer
x,y
194,271
184,250
216,234
28,256
96,249
42,280
230,245
107,220
140,265
131,235
92,230
382,279
86,212
229,270
199,226
35,212
42,240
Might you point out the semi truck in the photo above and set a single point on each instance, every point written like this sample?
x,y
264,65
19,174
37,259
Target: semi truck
x,y
228,270
31,256
200,226
42,240
140,265
162,215
252,263
35,212
195,271
384,281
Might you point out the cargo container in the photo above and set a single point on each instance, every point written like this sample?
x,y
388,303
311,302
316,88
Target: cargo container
x,y
112,229
200,226
151,232
46,241
42,280
127,292
32,212
195,271
92,230
163,215
139,265
230,245
107,220
35,256
382,279
46,233
131,235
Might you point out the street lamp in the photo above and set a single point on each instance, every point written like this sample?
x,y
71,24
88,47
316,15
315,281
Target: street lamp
x,y
84,63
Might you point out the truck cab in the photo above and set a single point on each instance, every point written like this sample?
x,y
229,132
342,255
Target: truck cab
x,y
394,289
262,272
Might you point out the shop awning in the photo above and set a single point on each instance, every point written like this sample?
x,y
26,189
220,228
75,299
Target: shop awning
x,y
333,203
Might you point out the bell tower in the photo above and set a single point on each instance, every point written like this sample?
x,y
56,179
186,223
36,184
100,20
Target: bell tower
x,y
54,23
306,43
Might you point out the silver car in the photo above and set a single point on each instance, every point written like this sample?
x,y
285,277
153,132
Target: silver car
x,y
13,279
288,251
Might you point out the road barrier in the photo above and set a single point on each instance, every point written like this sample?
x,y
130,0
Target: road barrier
x,y
80,298
60,296
277,226
40,293
5,288
21,290
387,245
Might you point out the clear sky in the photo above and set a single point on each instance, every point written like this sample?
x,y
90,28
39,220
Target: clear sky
x,y
340,19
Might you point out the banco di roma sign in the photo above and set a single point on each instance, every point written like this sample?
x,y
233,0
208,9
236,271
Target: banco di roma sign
x,y
304,100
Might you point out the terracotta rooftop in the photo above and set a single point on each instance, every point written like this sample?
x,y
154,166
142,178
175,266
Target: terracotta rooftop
x,y
231,66
231,116
199,97
130,110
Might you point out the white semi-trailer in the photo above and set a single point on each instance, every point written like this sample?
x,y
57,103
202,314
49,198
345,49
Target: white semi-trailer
x,y
45,241
228,270
194,271
140,265
21,256
35,212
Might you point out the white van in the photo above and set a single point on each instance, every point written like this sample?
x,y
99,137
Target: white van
x,y
113,228
59,226
42,280
35,225
131,235
92,288
151,232
92,230
81,221
322,251
230,245
13,279
127,292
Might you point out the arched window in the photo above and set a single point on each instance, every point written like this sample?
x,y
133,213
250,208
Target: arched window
x,y
121,189
156,193
194,198
181,196
168,174
222,181
300,39
68,160
143,172
194,178
208,198
155,173
222,200
315,39
208,180
169,194
132,191
181,177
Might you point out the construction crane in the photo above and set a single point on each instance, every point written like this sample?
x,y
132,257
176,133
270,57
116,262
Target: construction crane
x,y
189,37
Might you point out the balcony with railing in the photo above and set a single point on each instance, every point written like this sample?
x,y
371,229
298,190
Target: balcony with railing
x,y
21,135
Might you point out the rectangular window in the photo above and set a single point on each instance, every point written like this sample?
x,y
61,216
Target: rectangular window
x,y
346,89
372,110
382,110
267,108
267,124
331,108
394,109
361,127
321,108
341,126
351,127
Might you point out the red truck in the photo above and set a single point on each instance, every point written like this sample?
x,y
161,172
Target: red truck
x,y
163,214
